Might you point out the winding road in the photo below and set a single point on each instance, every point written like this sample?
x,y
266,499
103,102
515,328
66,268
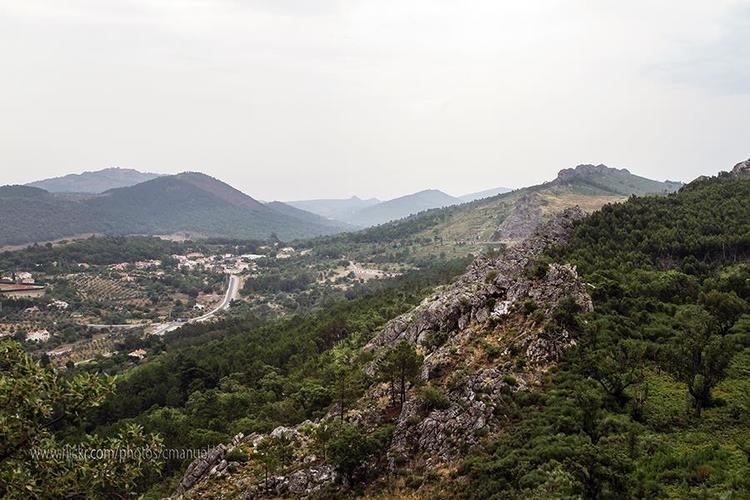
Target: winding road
x,y
233,289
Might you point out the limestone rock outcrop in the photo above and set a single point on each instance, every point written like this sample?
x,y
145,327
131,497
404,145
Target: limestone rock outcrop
x,y
472,311
493,284
742,169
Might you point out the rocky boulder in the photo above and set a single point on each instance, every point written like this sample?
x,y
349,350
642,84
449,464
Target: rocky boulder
x,y
201,468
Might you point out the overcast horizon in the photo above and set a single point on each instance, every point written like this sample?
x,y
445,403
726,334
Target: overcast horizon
x,y
292,99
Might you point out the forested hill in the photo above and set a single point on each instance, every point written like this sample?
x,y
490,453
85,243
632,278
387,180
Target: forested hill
x,y
191,203
655,401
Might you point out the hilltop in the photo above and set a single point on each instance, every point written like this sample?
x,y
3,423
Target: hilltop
x,y
94,182
401,207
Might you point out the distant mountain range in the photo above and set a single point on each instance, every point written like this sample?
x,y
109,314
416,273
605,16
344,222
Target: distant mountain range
x,y
371,212
94,182
401,207
339,209
489,193
191,203
202,206
308,217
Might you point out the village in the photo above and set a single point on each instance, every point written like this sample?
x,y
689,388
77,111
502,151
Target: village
x,y
76,312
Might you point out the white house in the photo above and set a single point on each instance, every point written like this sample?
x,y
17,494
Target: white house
x,y
59,304
24,277
138,353
38,336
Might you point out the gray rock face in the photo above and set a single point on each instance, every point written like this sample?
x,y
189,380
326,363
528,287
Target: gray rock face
x,y
299,484
487,292
742,169
304,482
489,282
568,174
201,468
443,435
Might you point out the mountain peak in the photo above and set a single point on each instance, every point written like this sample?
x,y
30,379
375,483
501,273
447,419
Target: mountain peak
x,y
401,207
94,182
587,170
220,189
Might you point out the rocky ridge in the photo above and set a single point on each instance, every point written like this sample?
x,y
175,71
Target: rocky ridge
x,y
569,174
477,314
485,336
742,169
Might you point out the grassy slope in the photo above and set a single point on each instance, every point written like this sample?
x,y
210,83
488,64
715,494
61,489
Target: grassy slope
x,y
464,229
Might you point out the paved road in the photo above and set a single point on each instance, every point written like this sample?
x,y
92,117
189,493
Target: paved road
x,y
233,289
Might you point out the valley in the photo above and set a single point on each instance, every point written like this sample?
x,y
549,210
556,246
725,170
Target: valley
x,y
417,356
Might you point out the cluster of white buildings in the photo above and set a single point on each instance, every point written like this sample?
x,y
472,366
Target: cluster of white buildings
x,y
227,263
139,264
195,260
147,264
20,277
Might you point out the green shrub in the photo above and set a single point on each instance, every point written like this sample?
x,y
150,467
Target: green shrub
x,y
435,339
237,454
432,398
537,269
492,351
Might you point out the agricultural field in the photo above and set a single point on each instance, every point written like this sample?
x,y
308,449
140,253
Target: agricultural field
x,y
92,287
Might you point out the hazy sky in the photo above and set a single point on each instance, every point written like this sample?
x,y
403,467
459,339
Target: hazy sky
x,y
289,99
